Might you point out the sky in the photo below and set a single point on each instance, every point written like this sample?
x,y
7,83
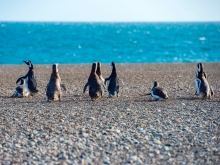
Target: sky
x,y
110,10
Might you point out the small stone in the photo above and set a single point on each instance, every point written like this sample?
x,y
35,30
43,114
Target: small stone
x,y
134,158
151,155
157,152
157,141
158,135
166,148
117,131
152,130
61,120
90,118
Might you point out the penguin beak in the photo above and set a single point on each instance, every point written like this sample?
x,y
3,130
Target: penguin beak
x,y
26,62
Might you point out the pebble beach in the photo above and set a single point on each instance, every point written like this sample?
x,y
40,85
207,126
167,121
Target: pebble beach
x,y
130,129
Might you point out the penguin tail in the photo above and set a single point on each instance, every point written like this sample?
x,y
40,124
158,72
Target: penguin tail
x,y
12,95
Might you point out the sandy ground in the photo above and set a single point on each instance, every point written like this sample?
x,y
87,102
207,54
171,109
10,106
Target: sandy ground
x,y
131,129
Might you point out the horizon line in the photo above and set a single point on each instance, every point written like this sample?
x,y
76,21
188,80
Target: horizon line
x,y
8,21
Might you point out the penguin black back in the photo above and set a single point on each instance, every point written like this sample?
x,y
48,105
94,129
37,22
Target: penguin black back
x,y
96,88
113,86
158,93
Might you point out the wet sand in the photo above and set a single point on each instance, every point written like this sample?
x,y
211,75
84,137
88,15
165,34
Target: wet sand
x,y
125,130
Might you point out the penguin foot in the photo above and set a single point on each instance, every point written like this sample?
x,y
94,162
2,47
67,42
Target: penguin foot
x,y
47,100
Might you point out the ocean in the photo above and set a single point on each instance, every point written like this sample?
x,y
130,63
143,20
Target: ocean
x,y
85,43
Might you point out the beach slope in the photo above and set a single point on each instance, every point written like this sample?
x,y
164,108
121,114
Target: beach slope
x,y
129,129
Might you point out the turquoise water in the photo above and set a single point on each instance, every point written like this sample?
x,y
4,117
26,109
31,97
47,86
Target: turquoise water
x,y
76,43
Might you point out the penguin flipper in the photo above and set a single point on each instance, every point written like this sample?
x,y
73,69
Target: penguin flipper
x,y
104,86
107,79
84,89
23,77
205,75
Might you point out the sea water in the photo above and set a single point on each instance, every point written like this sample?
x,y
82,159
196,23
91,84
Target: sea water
x,y
83,43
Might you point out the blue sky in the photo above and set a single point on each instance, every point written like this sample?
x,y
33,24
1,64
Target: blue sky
x,y
110,10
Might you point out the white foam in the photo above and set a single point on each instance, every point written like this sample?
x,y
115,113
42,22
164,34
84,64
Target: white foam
x,y
202,38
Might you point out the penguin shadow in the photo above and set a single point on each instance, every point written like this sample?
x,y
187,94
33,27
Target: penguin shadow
x,y
195,98
186,98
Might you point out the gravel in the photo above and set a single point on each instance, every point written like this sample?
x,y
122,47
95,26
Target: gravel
x,y
131,129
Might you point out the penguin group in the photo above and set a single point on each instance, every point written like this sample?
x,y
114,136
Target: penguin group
x,y
98,85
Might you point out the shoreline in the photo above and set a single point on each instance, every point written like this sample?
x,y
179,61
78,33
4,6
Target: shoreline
x,y
128,129
144,63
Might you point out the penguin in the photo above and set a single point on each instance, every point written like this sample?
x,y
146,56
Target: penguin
x,y
21,90
53,89
99,72
158,93
96,87
113,85
30,79
202,86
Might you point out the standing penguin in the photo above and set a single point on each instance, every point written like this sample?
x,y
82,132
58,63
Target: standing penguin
x,y
21,90
96,87
113,85
202,86
158,93
53,89
30,79
99,72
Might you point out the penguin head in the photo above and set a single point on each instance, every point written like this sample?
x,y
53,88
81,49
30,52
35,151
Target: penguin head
x,y
55,68
200,67
29,63
94,67
155,84
112,65
98,65
98,71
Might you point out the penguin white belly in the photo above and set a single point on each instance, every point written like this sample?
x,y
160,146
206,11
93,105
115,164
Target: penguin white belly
x,y
26,94
26,84
197,82
155,97
15,93
103,80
